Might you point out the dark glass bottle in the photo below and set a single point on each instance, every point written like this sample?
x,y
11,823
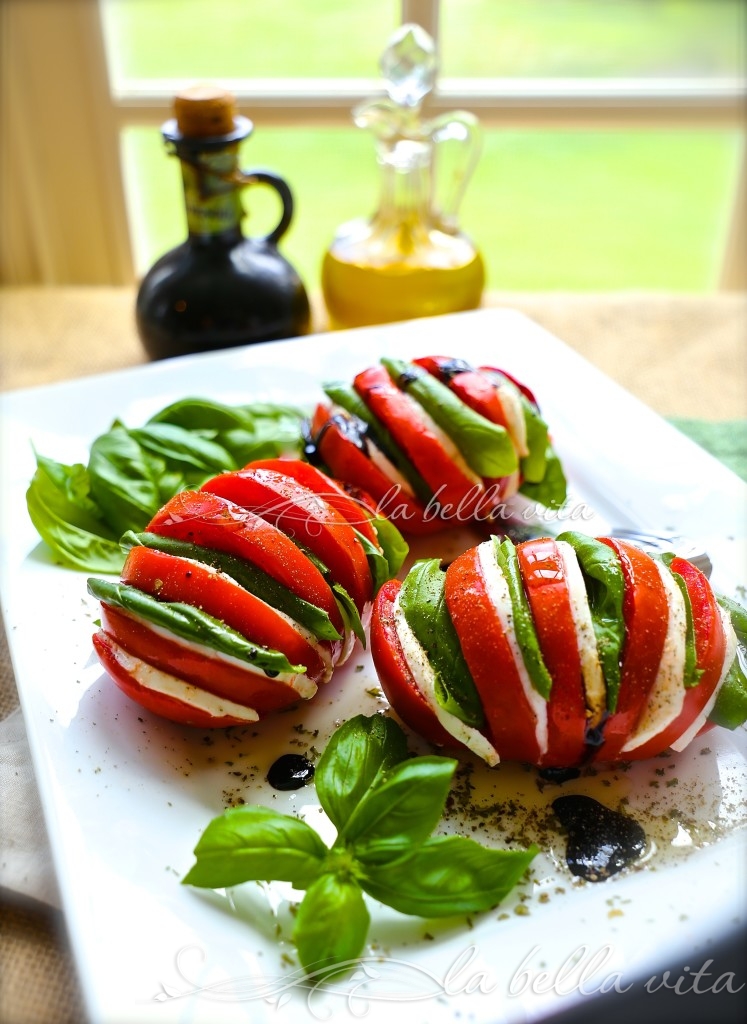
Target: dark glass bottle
x,y
219,288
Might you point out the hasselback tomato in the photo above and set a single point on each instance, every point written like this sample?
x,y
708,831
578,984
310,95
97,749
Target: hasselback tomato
x,y
437,442
579,649
228,610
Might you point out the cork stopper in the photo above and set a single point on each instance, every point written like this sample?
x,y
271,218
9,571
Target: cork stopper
x,y
204,110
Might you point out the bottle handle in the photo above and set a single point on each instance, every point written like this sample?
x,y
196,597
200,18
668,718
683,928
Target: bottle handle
x,y
261,177
457,138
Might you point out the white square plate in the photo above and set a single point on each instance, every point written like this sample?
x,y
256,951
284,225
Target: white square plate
x,y
126,796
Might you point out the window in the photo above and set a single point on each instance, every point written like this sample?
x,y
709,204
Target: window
x,y
613,132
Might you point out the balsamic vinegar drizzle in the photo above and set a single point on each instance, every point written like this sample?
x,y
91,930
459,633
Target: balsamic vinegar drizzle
x,y
290,771
600,842
350,427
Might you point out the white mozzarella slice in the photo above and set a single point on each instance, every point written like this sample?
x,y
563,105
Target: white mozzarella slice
x,y
171,686
591,668
497,590
730,654
513,410
667,695
425,681
379,459
303,686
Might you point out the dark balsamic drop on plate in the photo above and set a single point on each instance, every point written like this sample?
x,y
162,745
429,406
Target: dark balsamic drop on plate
x,y
600,842
559,775
290,771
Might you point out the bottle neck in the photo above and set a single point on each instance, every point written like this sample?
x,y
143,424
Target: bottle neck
x,y
211,191
405,182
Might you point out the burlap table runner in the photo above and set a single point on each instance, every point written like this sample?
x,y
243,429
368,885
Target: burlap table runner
x,y
683,356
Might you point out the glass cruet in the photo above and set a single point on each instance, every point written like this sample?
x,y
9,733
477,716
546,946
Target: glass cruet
x,y
410,258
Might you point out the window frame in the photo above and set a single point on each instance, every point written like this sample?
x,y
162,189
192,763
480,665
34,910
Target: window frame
x,y
61,167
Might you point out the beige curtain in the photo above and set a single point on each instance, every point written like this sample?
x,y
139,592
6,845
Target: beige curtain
x,y
62,210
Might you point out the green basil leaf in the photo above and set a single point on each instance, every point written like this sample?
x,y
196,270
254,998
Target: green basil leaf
x,y
203,414
447,875
393,544
192,624
424,607
526,634
175,444
730,709
71,482
251,843
124,480
552,490
355,759
534,465
248,576
349,611
605,590
377,563
348,399
737,614
400,811
691,674
62,515
347,606
331,926
486,446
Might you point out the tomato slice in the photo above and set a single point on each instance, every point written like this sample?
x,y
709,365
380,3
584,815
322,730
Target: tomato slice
x,y
173,578
456,493
350,463
645,612
304,515
710,649
511,720
543,572
356,513
517,383
214,522
133,676
197,664
395,676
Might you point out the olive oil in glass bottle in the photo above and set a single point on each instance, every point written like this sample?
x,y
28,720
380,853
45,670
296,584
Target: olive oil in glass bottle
x,y
219,288
410,259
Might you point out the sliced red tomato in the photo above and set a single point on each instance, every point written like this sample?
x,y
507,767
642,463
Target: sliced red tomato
x,y
395,676
522,387
132,676
356,513
172,578
710,649
457,493
646,613
349,463
203,667
511,720
546,586
215,522
305,516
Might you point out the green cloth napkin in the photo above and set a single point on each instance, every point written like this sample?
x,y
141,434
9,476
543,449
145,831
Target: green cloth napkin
x,y
726,440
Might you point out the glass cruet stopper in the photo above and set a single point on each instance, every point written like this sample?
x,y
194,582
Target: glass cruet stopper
x,y
409,66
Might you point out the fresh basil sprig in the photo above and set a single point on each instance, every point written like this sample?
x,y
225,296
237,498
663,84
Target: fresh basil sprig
x,y
384,805
81,511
